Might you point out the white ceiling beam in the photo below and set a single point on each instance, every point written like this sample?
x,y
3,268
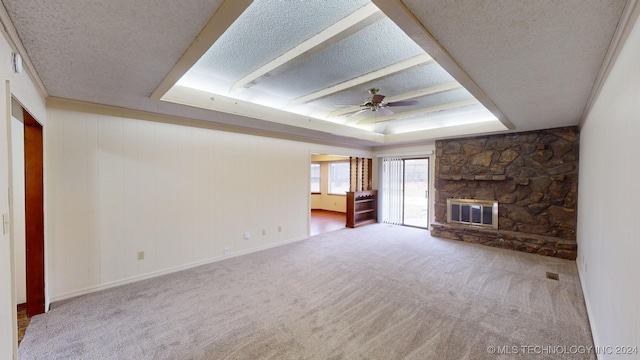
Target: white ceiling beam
x,y
427,110
226,14
399,14
355,21
377,74
452,85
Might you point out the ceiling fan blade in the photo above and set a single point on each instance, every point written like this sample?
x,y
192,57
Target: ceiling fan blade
x,y
377,98
345,105
384,111
357,112
403,103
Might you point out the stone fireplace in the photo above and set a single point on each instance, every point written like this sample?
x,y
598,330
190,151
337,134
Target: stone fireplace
x,y
531,176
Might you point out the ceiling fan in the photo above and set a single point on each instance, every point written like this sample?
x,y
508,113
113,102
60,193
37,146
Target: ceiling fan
x,y
376,103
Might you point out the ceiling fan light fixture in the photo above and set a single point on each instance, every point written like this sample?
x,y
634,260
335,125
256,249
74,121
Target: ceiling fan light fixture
x,y
375,103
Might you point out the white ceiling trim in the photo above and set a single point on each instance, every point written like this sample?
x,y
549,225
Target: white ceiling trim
x,y
226,15
452,85
630,16
398,13
487,127
193,97
350,24
406,154
386,71
427,110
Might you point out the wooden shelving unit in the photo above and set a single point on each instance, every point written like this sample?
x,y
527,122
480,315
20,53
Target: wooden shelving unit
x,y
362,207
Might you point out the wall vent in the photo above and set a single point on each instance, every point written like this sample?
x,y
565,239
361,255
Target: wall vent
x,y
553,276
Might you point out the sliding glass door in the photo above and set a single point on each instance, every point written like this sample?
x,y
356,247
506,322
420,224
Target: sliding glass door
x,y
405,185
416,191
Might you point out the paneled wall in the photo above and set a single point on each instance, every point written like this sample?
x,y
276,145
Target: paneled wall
x,y
119,185
23,89
608,226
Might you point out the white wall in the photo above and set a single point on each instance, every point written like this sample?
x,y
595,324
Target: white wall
x,y
19,236
119,184
608,226
25,91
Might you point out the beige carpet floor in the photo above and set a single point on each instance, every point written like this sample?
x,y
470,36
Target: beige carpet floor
x,y
375,292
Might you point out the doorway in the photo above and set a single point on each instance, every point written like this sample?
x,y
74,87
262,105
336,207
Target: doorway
x,y
28,233
405,191
329,182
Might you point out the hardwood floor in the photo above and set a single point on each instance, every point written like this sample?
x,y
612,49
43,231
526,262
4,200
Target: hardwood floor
x,y
323,221
23,322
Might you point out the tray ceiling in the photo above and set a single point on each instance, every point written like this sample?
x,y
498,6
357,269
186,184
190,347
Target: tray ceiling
x,y
302,68
320,67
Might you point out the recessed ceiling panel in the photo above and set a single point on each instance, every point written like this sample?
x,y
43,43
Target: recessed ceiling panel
x,y
376,46
419,77
306,57
266,30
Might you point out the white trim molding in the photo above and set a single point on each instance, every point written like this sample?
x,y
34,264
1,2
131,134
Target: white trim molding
x,y
629,17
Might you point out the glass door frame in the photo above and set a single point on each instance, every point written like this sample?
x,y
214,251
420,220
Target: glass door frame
x,y
427,190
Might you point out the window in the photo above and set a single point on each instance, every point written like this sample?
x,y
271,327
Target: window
x,y
315,178
338,178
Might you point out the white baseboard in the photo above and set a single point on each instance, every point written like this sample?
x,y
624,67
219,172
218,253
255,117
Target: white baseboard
x,y
153,274
594,330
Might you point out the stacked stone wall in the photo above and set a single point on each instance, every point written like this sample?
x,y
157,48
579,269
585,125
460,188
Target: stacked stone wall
x,y
533,176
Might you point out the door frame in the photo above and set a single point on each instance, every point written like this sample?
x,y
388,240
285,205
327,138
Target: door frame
x,y
428,154
428,190
34,208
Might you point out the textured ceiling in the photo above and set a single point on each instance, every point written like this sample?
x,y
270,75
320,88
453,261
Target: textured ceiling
x,y
92,49
366,50
537,61
266,30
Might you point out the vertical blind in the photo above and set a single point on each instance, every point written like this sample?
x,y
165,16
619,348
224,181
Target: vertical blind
x,y
392,194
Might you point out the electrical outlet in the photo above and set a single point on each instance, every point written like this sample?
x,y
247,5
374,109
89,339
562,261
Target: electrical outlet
x,y
140,255
226,251
279,228
5,223
247,235
264,232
